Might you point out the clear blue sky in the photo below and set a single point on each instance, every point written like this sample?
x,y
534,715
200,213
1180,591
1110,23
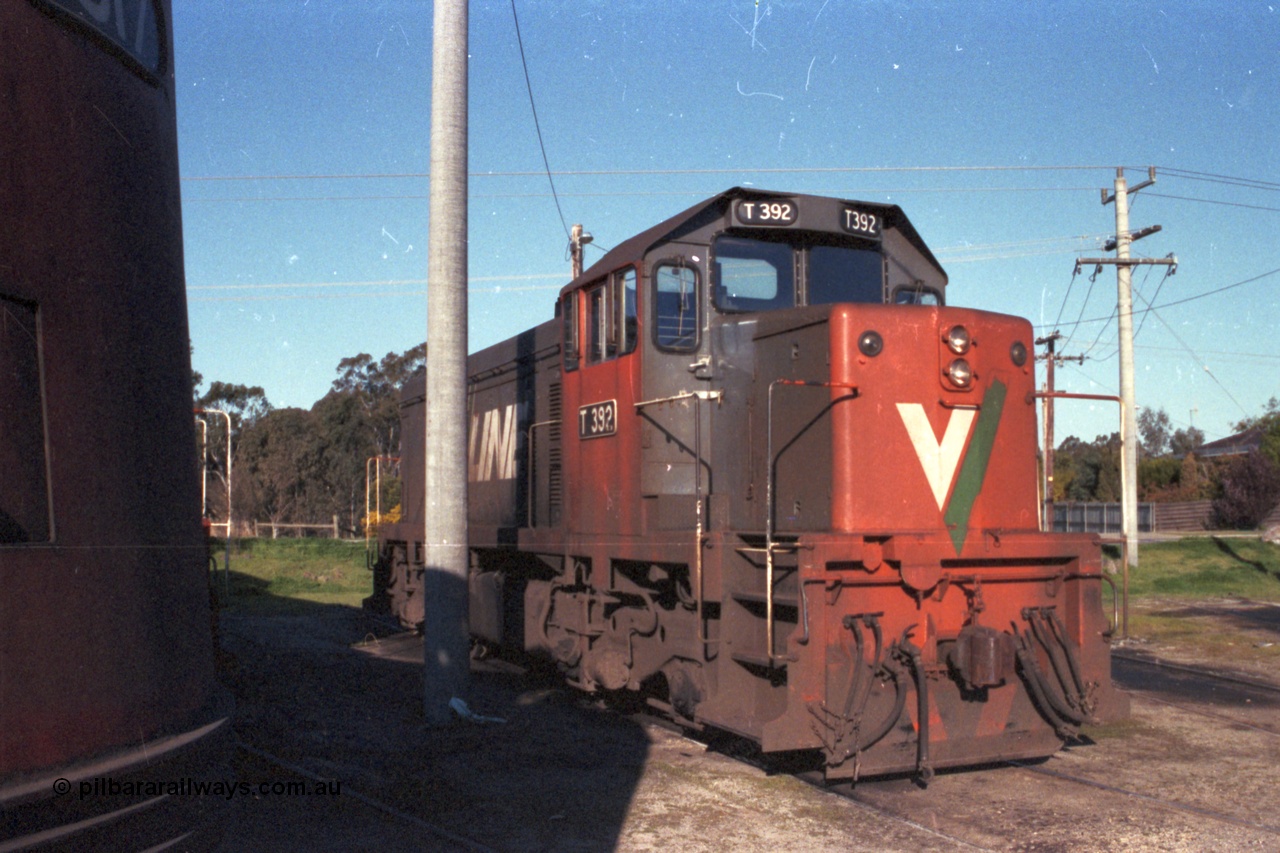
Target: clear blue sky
x,y
304,134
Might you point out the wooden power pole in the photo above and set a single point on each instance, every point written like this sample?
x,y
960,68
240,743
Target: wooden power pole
x,y
1124,293
1051,359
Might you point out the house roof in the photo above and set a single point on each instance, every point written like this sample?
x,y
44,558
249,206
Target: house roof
x,y
1233,445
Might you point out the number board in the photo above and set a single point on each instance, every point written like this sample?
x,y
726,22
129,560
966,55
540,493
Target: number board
x,y
861,222
598,419
769,213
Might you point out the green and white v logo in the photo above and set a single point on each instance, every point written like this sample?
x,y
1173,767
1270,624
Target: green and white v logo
x,y
940,459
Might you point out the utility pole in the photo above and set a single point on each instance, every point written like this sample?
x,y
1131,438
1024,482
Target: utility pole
x,y
1129,412
1051,358
446,629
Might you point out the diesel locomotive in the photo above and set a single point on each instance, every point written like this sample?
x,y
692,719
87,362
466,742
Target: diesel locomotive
x,y
112,723
756,468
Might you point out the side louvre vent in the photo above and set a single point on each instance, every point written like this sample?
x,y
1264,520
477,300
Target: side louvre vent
x,y
555,470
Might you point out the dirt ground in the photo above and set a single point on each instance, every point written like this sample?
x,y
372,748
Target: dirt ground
x,y
332,695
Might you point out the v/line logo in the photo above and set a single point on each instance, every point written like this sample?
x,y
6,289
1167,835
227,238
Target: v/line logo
x,y
939,459
491,444
948,467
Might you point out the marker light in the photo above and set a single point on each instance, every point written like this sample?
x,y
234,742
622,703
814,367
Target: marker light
x,y
960,373
870,343
958,340
1018,353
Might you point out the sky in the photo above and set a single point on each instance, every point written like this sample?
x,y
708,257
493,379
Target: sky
x,y
304,145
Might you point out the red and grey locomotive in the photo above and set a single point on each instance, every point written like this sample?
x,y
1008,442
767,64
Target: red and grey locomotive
x,y
757,468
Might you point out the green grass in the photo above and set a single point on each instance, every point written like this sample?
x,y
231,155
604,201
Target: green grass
x,y
282,575
1181,592
1207,568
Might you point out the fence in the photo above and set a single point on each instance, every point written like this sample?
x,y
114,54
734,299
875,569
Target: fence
x,y
320,530
1176,516
1097,518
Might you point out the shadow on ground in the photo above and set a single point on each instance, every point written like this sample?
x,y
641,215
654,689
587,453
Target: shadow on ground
x,y
315,687
1227,548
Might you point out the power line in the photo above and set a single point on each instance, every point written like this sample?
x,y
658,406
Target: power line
x,y
1194,357
528,85
644,194
1212,178
596,173
392,282
1213,201
1198,296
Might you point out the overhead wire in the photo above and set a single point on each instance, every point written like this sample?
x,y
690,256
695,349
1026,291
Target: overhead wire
x,y
596,173
1194,357
537,126
1211,177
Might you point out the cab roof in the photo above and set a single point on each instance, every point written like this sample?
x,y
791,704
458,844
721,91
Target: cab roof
x,y
715,207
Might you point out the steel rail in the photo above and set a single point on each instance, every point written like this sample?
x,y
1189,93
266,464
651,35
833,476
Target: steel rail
x,y
298,770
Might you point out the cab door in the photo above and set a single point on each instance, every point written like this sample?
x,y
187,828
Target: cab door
x,y
675,411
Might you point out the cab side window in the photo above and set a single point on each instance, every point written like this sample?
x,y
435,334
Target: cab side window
x,y
675,306
610,307
624,283
569,326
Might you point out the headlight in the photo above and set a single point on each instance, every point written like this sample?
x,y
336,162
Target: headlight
x,y
960,373
870,343
1018,353
958,340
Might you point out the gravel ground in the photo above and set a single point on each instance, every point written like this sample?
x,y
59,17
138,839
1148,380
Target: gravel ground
x,y
331,695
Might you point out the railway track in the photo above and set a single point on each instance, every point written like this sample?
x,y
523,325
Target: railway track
x,y
1220,696
948,813
443,838
1160,802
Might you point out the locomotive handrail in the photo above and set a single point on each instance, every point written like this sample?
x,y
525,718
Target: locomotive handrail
x,y
769,544
686,395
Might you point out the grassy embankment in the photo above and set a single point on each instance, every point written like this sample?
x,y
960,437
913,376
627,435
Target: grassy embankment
x,y
285,575
1192,596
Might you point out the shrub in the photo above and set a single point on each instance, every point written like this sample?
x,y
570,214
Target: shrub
x,y
1250,490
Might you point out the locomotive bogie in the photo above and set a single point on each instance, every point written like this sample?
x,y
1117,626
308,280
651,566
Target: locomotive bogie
x,y
756,469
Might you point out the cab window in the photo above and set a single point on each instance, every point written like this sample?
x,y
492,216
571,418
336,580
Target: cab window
x,y
916,294
675,306
843,274
569,327
611,316
752,275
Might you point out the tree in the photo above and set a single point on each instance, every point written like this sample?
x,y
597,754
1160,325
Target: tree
x,y
1088,472
1250,490
1271,410
244,403
345,443
1185,441
277,461
1153,429
376,386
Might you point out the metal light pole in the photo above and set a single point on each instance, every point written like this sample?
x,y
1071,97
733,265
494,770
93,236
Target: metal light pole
x,y
204,468
226,565
446,631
